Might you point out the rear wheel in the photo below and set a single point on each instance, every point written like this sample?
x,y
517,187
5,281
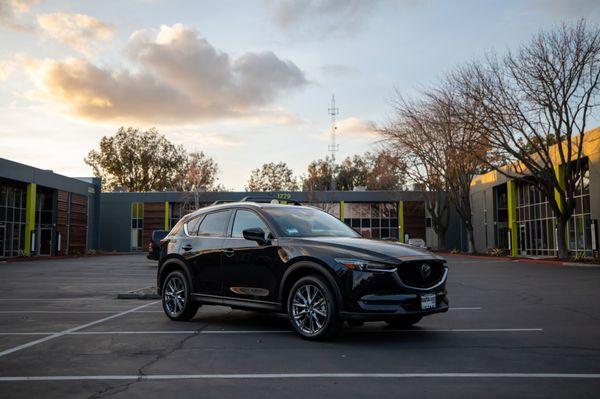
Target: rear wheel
x,y
404,322
312,309
176,297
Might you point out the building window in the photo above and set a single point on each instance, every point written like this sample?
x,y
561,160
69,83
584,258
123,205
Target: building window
x,y
579,227
377,220
501,217
535,221
12,219
137,225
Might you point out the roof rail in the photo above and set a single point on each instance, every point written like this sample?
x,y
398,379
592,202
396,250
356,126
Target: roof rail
x,y
217,202
269,199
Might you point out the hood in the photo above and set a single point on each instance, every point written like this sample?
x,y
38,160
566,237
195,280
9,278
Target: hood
x,y
389,251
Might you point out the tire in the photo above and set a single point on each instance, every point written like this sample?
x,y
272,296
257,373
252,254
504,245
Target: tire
x,y
323,320
177,300
404,322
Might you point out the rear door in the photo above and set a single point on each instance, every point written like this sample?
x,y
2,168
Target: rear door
x,y
250,270
202,249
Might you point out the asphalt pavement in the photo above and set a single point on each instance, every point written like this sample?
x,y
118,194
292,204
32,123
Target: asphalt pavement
x,y
514,330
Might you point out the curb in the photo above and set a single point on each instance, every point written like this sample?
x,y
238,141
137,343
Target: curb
x,y
555,262
40,258
141,293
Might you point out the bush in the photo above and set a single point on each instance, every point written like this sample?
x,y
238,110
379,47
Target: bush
x,y
496,252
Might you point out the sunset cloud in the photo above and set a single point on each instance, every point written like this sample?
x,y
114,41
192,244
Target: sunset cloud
x,y
351,128
11,10
178,77
81,32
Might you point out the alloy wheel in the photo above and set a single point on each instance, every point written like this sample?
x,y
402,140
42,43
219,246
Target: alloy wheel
x,y
174,296
309,309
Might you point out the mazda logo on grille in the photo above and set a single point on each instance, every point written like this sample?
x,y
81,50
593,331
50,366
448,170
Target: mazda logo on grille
x,y
425,271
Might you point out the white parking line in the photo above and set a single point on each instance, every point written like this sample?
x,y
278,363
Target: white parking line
x,y
71,330
278,376
435,330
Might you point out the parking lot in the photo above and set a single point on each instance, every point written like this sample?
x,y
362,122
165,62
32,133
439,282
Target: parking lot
x,y
514,330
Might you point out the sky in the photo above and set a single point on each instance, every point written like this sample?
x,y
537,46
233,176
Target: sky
x,y
248,82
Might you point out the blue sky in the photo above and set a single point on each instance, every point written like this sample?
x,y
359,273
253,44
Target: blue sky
x,y
247,82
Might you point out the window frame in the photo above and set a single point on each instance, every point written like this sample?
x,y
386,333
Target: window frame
x,y
232,221
225,229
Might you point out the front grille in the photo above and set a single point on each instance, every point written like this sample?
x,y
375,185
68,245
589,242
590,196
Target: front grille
x,y
412,275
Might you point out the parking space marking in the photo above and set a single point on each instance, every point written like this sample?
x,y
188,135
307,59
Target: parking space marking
x,y
140,377
71,330
433,330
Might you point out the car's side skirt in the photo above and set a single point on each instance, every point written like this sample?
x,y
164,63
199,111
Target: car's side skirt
x,y
237,302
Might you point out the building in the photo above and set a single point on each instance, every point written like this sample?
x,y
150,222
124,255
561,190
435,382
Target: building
x,y
514,216
128,219
43,213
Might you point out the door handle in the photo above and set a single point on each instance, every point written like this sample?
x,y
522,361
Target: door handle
x,y
229,252
187,247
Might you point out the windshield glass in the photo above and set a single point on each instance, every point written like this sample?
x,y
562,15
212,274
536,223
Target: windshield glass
x,y
308,222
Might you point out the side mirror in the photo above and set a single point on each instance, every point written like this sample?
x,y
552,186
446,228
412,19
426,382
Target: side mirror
x,y
255,234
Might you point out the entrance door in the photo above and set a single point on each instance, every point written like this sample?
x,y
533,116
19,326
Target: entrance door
x,y
45,240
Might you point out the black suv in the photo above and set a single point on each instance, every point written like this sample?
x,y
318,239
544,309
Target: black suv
x,y
296,260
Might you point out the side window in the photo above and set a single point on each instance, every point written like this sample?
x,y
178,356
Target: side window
x,y
214,224
191,227
247,220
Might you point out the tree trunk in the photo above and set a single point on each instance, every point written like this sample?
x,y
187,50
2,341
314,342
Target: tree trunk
x,y
561,238
471,238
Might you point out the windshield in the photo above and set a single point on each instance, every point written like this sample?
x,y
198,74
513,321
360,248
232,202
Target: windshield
x,y
307,222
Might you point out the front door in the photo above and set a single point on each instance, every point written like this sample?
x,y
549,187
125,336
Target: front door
x,y
250,270
45,241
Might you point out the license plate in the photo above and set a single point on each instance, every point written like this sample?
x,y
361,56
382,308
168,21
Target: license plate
x,y
428,301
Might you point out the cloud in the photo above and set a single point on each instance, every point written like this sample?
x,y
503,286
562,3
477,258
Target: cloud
x,y
10,12
320,17
179,77
353,128
81,32
6,67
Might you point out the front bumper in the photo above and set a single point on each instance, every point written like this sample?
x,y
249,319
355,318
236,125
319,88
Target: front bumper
x,y
384,296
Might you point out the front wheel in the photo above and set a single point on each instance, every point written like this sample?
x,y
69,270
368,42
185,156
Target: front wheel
x,y
312,309
176,297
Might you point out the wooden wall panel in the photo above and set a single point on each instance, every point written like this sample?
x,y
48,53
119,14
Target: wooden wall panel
x,y
154,219
78,224
414,219
62,221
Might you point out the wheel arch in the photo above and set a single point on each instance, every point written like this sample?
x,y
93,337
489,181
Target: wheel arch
x,y
169,265
304,267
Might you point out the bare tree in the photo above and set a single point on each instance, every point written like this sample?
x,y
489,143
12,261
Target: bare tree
x,y
197,173
530,100
441,152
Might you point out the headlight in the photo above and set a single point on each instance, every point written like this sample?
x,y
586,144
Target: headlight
x,y
365,265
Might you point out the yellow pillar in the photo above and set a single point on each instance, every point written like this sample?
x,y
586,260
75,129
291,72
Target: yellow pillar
x,y
401,221
342,211
29,216
167,216
512,217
